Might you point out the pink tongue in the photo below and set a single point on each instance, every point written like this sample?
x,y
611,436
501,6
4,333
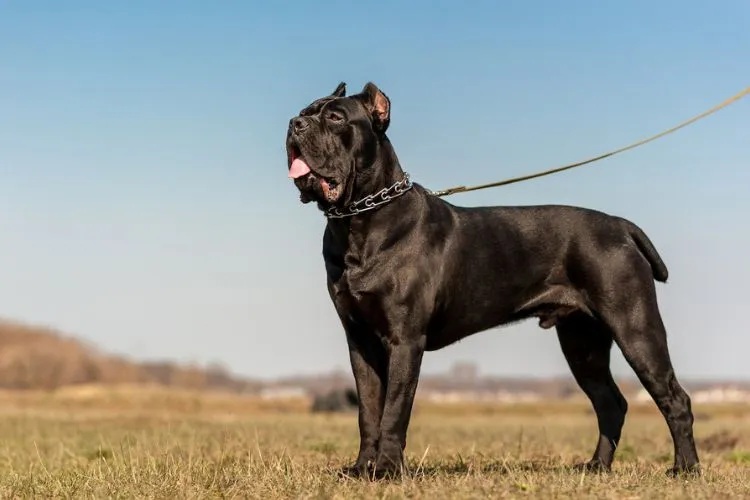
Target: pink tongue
x,y
298,168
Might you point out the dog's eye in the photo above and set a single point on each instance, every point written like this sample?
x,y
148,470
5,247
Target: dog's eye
x,y
335,117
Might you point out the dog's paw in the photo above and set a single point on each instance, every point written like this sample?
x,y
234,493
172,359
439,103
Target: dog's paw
x,y
387,467
689,471
391,471
593,466
356,471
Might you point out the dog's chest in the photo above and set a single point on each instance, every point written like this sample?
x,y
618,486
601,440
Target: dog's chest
x,y
359,288
351,291
360,279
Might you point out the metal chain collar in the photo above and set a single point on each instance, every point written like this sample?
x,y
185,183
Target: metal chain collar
x,y
372,201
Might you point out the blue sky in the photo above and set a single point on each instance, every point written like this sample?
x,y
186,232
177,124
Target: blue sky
x,y
144,204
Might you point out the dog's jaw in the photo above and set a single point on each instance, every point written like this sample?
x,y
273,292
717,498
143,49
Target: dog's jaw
x,y
311,184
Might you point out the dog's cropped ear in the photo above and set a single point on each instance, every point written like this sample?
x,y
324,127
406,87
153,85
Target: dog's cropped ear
x,y
378,105
340,90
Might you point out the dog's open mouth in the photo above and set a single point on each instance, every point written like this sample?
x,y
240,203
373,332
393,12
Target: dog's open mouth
x,y
300,171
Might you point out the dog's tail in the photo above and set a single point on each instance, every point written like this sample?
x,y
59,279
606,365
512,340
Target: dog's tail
x,y
646,247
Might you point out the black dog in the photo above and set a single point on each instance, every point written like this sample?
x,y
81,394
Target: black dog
x,y
409,273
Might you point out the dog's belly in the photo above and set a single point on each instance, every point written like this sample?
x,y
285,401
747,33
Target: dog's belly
x,y
551,303
450,334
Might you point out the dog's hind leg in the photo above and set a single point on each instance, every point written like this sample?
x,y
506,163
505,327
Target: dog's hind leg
x,y
586,344
639,332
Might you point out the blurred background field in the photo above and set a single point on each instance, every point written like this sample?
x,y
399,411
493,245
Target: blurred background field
x,y
75,422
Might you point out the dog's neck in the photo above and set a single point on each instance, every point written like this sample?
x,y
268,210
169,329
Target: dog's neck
x,y
384,172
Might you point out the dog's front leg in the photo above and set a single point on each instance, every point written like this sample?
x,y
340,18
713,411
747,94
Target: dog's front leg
x,y
369,366
404,363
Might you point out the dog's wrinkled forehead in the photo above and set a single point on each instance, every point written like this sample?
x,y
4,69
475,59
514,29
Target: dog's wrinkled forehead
x,y
316,106
370,104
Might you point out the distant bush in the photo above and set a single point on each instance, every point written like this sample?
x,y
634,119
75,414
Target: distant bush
x,y
33,357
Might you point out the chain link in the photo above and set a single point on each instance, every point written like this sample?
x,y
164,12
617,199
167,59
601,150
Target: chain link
x,y
372,201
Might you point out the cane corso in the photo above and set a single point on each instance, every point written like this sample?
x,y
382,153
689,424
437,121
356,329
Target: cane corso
x,y
409,272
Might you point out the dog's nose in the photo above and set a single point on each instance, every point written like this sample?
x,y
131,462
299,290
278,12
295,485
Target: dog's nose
x,y
299,124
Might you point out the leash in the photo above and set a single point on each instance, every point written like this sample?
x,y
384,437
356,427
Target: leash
x,y
513,180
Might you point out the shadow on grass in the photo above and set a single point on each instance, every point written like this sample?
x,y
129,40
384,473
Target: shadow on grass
x,y
495,467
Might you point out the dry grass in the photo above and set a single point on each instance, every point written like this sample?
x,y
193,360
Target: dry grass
x,y
67,445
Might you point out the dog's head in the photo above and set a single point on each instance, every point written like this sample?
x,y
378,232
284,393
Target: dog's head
x,y
333,145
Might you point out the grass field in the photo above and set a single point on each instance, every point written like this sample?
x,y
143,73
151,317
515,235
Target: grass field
x,y
186,446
